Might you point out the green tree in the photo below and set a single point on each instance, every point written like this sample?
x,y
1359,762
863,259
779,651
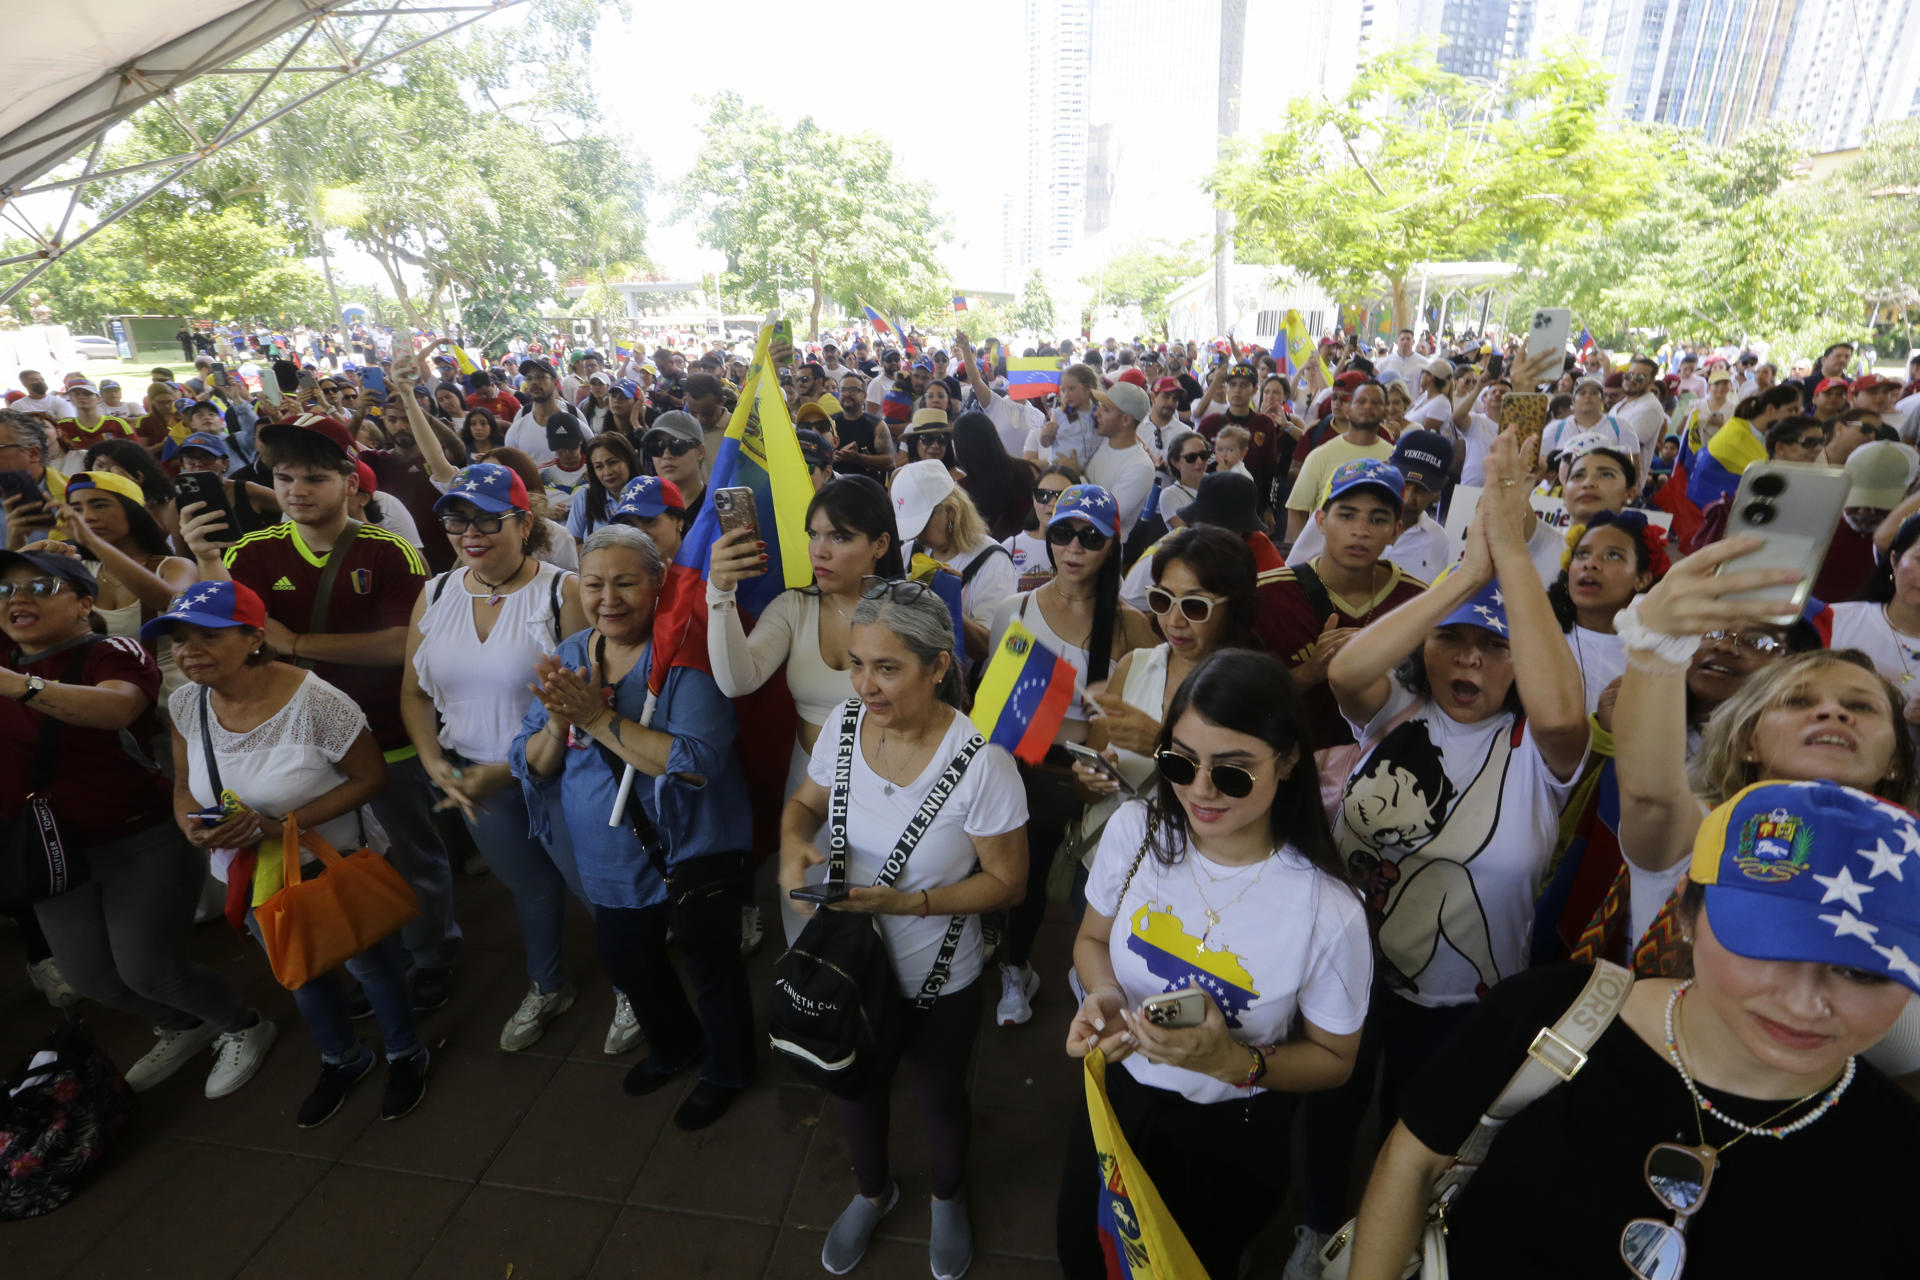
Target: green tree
x,y
1871,209
811,212
1036,309
1143,275
1416,165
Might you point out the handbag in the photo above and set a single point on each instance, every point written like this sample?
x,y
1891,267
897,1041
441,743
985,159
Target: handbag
x,y
39,863
312,927
1555,1057
836,1015
61,1109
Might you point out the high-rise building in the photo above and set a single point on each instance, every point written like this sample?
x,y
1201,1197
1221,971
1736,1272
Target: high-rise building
x,y
1057,84
1472,37
1850,65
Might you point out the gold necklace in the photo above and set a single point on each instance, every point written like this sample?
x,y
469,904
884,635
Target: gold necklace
x,y
1213,913
1899,644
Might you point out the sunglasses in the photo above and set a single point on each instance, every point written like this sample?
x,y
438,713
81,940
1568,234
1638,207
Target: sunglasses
x,y
1812,442
1228,779
1200,456
1679,1177
678,448
900,590
1086,535
32,588
1046,497
485,524
1758,641
1192,608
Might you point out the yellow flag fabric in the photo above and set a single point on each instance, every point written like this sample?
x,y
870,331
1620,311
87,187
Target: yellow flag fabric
x,y
464,361
764,435
1138,1234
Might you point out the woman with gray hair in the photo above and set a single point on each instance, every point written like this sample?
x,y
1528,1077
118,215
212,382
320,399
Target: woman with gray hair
x,y
617,735
884,754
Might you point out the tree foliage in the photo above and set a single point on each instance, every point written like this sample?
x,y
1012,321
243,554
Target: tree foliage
x,y
1871,209
809,211
1144,275
1036,309
1416,164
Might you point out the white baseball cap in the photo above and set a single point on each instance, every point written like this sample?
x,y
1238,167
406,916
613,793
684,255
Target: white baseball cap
x,y
917,489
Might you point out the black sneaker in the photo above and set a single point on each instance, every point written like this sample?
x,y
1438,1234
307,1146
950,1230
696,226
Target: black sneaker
x,y
706,1104
646,1076
336,1081
431,988
406,1085
359,1008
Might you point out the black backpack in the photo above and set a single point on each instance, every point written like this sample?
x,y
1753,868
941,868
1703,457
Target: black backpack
x,y
63,1108
835,1016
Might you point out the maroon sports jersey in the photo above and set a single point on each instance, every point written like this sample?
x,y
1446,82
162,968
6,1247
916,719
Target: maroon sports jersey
x,y
405,480
1288,626
1263,449
378,583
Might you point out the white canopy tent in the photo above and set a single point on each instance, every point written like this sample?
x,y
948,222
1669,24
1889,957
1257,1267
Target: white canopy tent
x,y
78,68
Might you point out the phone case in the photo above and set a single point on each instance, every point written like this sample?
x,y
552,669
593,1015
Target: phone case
x,y
1549,330
1525,412
734,506
1793,509
1175,1009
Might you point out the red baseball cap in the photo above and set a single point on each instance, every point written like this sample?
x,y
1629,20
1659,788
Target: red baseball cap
x,y
1134,376
1830,384
369,483
1870,382
1349,380
1166,384
328,428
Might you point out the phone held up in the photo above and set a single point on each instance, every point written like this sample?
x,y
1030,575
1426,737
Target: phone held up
x,y
734,507
1793,510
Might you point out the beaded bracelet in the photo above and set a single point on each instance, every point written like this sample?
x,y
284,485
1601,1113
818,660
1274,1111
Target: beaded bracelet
x,y
1256,1069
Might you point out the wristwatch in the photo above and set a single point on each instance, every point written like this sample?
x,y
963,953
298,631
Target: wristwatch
x,y
35,685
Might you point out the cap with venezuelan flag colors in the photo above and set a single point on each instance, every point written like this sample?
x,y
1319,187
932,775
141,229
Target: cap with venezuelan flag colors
x,y
1815,873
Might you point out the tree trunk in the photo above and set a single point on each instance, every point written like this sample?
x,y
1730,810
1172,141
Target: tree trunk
x,y
813,320
1401,312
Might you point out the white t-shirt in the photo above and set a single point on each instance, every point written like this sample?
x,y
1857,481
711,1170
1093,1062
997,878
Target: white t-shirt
x,y
1602,658
1473,443
1128,475
1561,430
989,801
1648,421
1031,563
1545,546
530,438
1863,625
1015,420
1409,367
1290,938
1448,828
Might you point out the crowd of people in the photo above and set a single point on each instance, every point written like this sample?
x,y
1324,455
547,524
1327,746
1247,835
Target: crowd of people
x,y
1391,720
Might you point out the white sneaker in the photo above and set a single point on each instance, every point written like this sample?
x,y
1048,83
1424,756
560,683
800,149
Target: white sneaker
x,y
51,983
168,1055
529,1021
1304,1262
238,1054
752,931
1018,983
624,1031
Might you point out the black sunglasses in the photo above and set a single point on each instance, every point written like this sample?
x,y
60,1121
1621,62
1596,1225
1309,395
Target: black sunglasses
x,y
898,590
1228,779
485,524
1200,456
678,448
1046,497
1086,535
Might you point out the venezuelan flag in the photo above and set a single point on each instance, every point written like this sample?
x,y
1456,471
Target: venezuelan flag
x,y
881,325
946,584
959,302
622,351
463,360
1714,472
1030,377
1024,695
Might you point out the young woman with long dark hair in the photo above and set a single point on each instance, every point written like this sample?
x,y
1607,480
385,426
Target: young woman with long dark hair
x,y
1001,487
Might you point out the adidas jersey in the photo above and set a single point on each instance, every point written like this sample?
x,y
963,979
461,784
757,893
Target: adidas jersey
x,y
1288,626
377,586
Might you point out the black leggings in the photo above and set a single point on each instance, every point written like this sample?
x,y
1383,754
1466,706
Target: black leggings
x,y
937,1048
1221,1168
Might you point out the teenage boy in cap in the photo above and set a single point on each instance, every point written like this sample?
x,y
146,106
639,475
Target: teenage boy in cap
x,y
676,449
568,471
88,426
1869,391
1121,464
528,433
1365,413
1421,547
339,598
1308,611
881,383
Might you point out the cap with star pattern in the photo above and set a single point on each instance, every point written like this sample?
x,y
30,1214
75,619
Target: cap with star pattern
x,y
489,486
1815,873
210,604
1485,608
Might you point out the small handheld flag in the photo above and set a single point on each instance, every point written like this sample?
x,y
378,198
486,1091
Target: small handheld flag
x,y
1024,695
1030,377
959,302
464,361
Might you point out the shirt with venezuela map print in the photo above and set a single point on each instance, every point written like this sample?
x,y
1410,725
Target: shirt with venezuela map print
x,y
378,583
1263,940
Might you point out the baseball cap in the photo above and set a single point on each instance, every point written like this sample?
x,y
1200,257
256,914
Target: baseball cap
x,y
68,569
534,364
1424,457
565,432
183,406
369,482
810,413
330,429
1879,471
1129,398
646,497
1349,380
107,482
108,384
1091,503
1485,608
1133,376
1166,384
626,389
81,384
190,404
676,424
1242,370
1441,369
1871,382
916,490
1226,499
924,364
208,442
1598,442
1720,374
600,376
210,604
1830,384
489,486
1812,873
1366,473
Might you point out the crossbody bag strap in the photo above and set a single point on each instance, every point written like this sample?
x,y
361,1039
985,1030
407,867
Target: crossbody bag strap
x,y
329,574
837,799
1315,590
1556,1056
943,788
206,743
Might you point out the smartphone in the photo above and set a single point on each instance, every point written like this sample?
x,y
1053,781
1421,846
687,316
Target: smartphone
x,y
20,484
1525,412
1793,509
1083,754
783,332
210,817
1549,330
734,506
374,379
819,894
206,488
1186,1008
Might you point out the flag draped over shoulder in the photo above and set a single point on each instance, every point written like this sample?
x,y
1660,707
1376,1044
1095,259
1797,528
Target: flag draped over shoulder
x,y
1030,377
1714,472
1137,1232
1024,695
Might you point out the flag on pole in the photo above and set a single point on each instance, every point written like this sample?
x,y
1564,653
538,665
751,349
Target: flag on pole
x,y
959,302
1030,377
622,351
881,325
464,360
1024,695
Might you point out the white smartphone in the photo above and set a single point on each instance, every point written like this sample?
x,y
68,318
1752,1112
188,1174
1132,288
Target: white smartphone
x,y
1793,509
1548,331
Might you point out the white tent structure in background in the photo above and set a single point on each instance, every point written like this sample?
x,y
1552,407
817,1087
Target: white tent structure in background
x,y
78,68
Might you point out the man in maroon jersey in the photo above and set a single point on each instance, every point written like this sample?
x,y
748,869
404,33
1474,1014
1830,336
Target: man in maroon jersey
x,y
1263,436
357,646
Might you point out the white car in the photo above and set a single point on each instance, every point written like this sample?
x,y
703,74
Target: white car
x,y
92,347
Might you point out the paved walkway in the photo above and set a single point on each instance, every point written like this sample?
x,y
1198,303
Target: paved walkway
x,y
530,1165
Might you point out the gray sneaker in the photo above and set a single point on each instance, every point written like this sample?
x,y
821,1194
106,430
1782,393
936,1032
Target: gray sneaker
x,y
529,1021
950,1251
853,1231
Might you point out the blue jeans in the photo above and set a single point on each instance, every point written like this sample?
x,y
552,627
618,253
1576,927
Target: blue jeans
x,y
405,809
537,873
382,971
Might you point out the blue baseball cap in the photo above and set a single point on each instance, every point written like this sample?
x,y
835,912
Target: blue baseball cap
x,y
1367,473
1424,457
489,486
210,604
185,405
207,441
646,497
1814,873
626,388
1091,503
1485,608
924,364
